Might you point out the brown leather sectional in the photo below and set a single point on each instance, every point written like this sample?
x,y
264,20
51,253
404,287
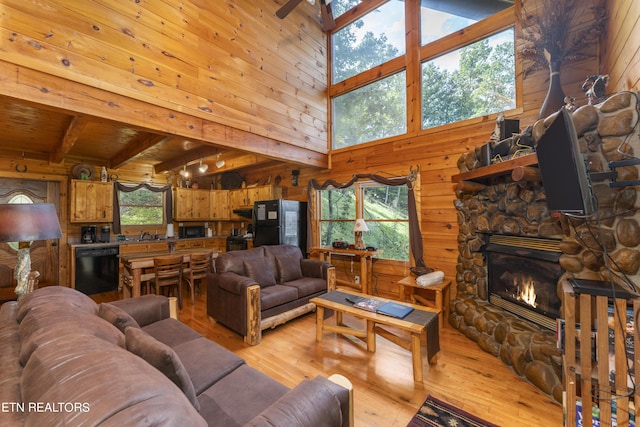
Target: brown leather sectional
x,y
69,361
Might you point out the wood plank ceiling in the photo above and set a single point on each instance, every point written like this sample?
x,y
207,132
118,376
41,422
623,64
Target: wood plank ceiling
x,y
68,128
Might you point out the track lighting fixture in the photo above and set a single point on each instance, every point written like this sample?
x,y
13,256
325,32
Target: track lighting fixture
x,y
184,173
219,161
203,167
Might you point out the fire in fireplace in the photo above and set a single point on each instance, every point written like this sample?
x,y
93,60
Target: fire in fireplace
x,y
523,273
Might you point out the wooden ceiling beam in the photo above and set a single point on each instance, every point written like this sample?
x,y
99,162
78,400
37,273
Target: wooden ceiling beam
x,y
71,135
135,148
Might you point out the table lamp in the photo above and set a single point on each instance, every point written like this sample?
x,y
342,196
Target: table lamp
x,y
24,223
358,228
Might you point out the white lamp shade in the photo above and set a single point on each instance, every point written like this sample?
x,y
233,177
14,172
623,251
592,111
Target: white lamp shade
x,y
203,167
219,161
360,225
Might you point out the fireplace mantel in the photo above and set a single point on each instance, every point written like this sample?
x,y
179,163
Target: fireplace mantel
x,y
496,169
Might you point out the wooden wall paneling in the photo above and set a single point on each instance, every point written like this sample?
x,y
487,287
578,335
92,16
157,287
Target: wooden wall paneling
x,y
621,55
163,54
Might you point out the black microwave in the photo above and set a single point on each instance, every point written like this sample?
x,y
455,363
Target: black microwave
x,y
191,231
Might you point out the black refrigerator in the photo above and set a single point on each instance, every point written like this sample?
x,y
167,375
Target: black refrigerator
x,y
280,222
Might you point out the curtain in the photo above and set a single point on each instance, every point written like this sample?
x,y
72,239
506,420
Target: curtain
x,y
415,236
168,201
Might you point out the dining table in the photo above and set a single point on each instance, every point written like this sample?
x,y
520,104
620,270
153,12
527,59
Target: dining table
x,y
134,265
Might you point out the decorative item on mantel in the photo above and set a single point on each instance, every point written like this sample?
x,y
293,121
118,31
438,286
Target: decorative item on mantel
x,y
549,40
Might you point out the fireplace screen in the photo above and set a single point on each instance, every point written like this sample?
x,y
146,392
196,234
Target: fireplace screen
x,y
524,281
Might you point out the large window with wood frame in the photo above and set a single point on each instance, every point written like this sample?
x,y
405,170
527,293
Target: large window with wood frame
x,y
384,209
141,207
464,51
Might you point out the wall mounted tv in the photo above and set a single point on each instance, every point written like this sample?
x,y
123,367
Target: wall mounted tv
x,y
562,167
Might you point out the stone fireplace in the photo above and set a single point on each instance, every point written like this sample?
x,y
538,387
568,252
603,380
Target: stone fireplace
x,y
502,205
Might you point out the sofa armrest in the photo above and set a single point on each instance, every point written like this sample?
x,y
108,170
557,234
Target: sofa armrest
x,y
311,403
145,309
314,268
232,282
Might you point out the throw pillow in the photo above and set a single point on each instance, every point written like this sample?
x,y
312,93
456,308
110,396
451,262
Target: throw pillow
x,y
288,269
259,269
163,358
117,316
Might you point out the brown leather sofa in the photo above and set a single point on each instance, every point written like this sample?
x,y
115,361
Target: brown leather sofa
x,y
66,361
259,288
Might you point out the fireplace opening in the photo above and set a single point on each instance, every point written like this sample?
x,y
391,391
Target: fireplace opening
x,y
523,273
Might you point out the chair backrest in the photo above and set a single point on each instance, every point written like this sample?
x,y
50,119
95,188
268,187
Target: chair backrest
x,y
199,265
168,269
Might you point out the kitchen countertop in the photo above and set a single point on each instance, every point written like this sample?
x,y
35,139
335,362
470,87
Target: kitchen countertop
x,y
136,241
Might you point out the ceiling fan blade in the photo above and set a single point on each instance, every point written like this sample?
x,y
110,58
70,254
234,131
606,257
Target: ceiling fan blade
x,y
287,8
328,23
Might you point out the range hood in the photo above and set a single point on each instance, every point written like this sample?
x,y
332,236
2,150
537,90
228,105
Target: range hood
x,y
244,212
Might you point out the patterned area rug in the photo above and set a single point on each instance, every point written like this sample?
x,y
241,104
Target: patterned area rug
x,y
435,413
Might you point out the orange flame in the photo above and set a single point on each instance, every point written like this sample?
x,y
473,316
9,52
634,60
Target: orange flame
x,y
525,290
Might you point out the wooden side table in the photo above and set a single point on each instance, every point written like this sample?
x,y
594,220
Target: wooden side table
x,y
435,296
366,263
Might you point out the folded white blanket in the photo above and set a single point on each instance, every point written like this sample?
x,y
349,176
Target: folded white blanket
x,y
433,278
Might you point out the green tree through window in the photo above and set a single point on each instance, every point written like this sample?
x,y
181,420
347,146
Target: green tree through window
x,y
384,209
141,207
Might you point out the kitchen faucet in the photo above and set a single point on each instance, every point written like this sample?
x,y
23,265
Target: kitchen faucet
x,y
142,234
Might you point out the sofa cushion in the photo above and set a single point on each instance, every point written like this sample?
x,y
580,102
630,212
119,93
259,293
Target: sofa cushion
x,y
206,362
145,309
260,270
43,325
233,261
239,397
56,295
163,358
308,286
117,316
273,296
171,332
288,269
106,384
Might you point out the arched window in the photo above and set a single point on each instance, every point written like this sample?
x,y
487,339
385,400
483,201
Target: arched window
x,y
19,198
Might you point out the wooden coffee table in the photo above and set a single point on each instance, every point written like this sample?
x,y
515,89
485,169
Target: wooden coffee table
x,y
421,323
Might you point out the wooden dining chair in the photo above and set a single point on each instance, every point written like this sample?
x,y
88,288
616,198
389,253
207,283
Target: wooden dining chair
x,y
168,272
199,265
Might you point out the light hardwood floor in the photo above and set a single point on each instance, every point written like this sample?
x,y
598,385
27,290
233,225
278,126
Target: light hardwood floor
x,y
384,391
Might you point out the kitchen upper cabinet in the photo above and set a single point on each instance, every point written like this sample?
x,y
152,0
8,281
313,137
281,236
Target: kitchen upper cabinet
x,y
91,201
219,204
191,205
237,198
246,197
264,192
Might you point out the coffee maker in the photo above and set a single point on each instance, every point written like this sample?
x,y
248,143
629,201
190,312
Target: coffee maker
x,y
105,234
88,234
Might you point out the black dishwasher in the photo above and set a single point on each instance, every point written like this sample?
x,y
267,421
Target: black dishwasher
x,y
97,269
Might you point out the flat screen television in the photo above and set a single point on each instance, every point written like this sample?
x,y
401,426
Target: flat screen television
x,y
562,167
